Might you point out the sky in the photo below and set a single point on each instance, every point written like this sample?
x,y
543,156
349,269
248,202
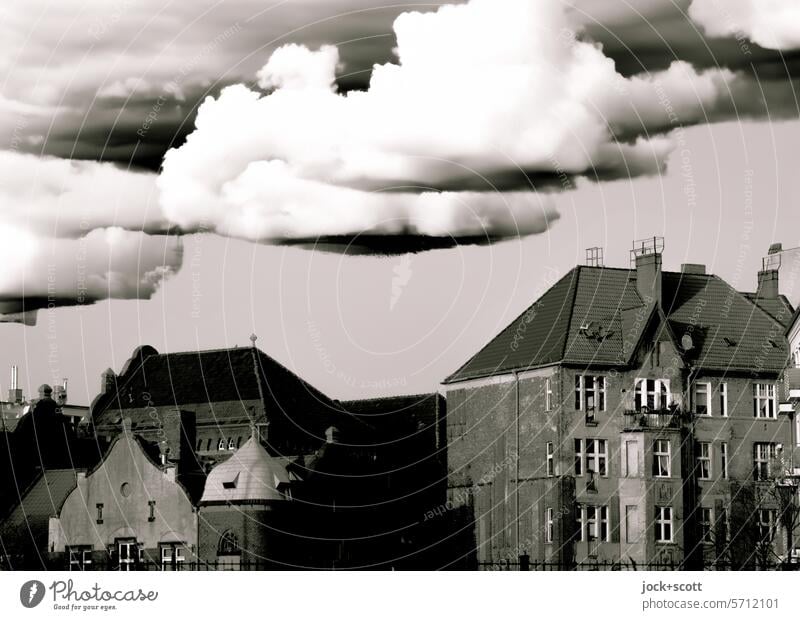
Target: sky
x,y
185,175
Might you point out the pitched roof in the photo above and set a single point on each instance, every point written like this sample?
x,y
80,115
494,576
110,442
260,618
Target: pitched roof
x,y
778,308
212,377
587,316
28,521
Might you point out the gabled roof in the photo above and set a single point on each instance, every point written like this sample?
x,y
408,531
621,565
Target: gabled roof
x,y
588,315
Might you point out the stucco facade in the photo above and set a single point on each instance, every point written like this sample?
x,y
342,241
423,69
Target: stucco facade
x,y
125,511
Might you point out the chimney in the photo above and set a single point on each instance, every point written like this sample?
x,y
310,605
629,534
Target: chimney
x,y
693,268
768,276
14,392
646,255
107,381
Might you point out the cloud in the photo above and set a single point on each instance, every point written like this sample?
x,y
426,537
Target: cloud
x,y
512,96
74,233
773,24
105,263
62,198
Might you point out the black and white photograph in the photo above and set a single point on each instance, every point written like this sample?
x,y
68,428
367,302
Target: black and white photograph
x,y
424,288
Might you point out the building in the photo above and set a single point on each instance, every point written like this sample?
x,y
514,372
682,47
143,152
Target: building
x,y
126,512
247,515
628,415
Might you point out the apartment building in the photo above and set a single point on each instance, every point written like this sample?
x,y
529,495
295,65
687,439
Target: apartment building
x,y
629,415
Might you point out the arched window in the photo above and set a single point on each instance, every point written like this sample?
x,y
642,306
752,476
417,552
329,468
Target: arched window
x,y
221,443
228,544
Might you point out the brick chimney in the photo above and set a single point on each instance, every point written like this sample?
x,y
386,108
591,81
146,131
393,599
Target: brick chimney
x,y
646,254
768,276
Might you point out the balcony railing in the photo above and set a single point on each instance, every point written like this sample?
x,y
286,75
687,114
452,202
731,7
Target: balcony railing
x,y
791,377
655,419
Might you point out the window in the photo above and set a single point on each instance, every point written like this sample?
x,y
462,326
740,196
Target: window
x,y
763,454
591,455
548,525
764,400
707,525
651,394
766,524
231,444
632,529
548,394
704,460
702,398
593,523
662,458
663,524
80,557
590,393
228,544
208,444
173,555
221,443
551,464
127,554
723,460
723,400
99,513
152,516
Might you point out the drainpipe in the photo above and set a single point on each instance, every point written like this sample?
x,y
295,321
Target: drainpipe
x,y
516,463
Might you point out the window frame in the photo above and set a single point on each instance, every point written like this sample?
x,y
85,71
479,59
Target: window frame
x,y
641,394
599,391
658,454
82,561
723,460
707,392
664,519
764,452
548,394
770,524
594,523
723,399
705,461
770,399
548,525
597,457
550,462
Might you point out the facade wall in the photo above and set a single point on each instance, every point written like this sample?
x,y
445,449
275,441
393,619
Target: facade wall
x,y
485,479
140,502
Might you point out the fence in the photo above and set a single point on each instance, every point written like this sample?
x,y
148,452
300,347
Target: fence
x,y
626,565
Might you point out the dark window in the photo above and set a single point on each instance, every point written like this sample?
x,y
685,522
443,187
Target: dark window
x,y
152,515
99,513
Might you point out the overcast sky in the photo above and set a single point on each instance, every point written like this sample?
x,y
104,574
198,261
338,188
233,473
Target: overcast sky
x,y
516,133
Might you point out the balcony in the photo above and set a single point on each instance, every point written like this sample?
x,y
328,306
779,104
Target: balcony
x,y
791,378
652,419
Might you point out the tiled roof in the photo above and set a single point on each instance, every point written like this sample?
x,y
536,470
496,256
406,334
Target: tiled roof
x,y
586,317
28,520
213,377
778,308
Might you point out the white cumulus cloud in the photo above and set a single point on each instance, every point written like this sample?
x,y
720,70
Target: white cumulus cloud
x,y
773,24
484,99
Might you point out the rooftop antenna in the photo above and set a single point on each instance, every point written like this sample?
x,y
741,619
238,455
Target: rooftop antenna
x,y
643,247
594,256
253,339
